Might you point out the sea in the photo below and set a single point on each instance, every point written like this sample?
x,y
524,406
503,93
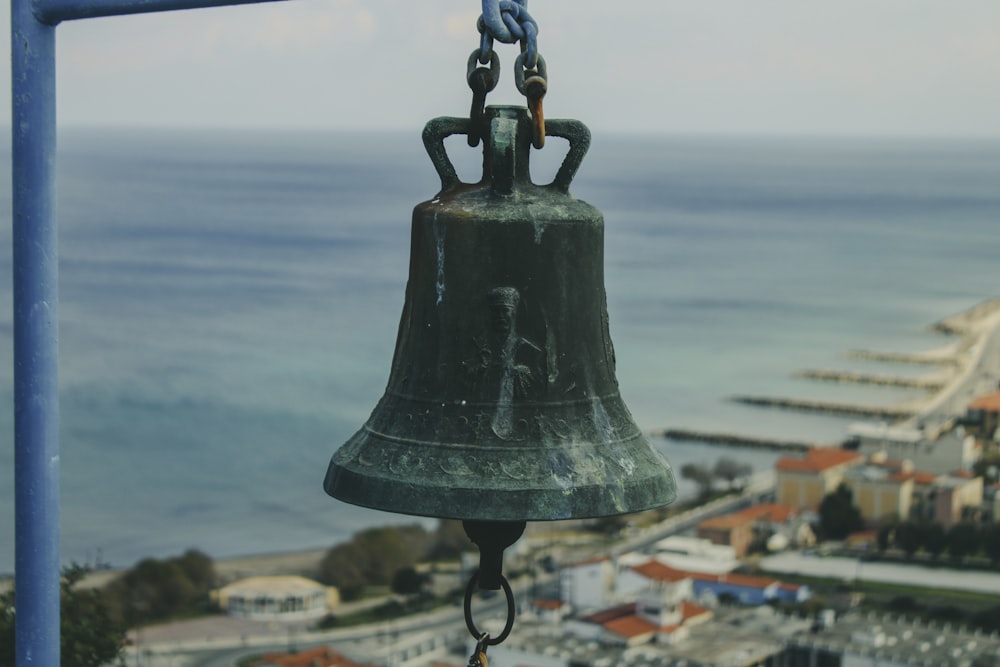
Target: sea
x,y
230,301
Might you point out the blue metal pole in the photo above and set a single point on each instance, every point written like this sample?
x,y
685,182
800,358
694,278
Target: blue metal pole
x,y
36,309
54,11
36,320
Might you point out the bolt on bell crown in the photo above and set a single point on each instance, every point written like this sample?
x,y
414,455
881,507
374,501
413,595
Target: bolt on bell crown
x,y
502,402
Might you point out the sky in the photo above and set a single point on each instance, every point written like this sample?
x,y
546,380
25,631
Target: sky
x,y
849,67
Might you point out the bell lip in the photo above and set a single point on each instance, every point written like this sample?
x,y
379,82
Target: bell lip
x,y
584,502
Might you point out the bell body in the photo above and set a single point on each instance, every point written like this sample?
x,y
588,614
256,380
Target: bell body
x,y
502,402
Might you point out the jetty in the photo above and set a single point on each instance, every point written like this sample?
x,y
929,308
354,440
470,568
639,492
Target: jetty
x,y
733,440
968,365
929,358
890,412
929,383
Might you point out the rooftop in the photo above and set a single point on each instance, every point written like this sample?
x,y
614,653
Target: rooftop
x,y
819,459
989,402
887,639
764,512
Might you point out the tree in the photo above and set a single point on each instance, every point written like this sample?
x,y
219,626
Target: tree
x,y
449,541
991,542
838,517
935,539
730,470
342,566
964,539
910,537
373,557
407,581
89,636
700,475
157,589
885,537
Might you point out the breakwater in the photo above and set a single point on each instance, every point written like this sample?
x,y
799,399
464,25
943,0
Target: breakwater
x,y
733,440
903,357
871,378
828,407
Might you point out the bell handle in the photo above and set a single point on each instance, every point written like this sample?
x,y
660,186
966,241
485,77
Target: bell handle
x,y
435,132
578,136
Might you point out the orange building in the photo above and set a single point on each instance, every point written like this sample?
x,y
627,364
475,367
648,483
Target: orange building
x,y
802,482
986,410
739,528
322,656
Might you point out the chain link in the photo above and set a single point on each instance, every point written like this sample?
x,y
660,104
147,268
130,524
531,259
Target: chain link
x,y
508,21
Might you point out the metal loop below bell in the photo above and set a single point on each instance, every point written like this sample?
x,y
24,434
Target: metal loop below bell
x,y
502,402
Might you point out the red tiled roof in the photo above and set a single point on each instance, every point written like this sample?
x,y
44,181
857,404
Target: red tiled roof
x,y
322,656
549,604
691,610
989,402
918,477
818,459
590,561
763,512
630,626
654,569
735,579
608,615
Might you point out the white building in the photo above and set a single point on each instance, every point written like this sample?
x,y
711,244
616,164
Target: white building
x,y
289,598
588,584
953,450
696,553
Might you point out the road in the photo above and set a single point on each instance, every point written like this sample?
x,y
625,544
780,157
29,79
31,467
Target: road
x,y
912,575
395,642
980,376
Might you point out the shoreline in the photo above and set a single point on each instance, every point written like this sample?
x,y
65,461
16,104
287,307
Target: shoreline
x,y
960,363
972,327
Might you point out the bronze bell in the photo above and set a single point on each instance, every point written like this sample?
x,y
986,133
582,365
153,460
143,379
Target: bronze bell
x,y
502,403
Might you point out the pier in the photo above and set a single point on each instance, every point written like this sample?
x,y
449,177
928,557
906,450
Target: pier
x,y
927,383
891,413
733,440
903,357
967,367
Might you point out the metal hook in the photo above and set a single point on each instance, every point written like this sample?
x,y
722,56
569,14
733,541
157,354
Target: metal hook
x,y
471,625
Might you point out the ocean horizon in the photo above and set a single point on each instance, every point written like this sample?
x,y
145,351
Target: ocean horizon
x,y
230,300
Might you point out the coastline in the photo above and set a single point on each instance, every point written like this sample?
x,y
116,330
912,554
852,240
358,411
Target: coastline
x,y
966,367
960,359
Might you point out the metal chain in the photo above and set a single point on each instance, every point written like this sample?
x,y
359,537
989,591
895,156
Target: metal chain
x,y
508,21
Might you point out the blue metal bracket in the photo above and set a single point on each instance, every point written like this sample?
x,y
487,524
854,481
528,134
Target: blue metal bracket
x,y
36,308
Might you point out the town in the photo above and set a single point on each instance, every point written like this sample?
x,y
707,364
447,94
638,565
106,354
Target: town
x,y
880,552
883,550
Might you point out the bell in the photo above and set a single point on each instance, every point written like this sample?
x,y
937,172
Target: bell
x,y
502,403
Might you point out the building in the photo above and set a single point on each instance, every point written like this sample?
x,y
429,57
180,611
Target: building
x,y
956,494
757,523
672,585
588,584
322,656
869,640
290,598
802,482
683,552
646,621
882,489
934,452
984,412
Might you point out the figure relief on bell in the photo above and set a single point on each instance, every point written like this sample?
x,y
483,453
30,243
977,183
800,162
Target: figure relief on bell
x,y
508,366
